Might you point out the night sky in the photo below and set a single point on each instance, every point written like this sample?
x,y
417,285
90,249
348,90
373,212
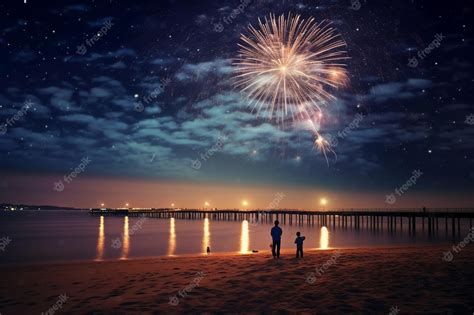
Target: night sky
x,y
150,102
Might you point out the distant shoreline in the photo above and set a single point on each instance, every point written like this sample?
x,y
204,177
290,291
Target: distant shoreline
x,y
6,207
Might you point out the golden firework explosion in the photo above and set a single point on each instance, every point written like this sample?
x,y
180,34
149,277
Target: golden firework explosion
x,y
288,67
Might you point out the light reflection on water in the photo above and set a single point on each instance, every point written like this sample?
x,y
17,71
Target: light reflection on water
x,y
244,237
126,240
172,238
324,238
206,237
101,240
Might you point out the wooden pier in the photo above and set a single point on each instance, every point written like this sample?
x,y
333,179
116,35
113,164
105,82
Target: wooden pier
x,y
391,219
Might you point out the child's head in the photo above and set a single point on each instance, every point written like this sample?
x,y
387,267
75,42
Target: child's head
x,y
298,233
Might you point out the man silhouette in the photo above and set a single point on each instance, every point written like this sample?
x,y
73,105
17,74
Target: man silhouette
x,y
276,240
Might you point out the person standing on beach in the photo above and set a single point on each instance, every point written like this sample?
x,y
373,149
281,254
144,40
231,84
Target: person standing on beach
x,y
299,244
276,240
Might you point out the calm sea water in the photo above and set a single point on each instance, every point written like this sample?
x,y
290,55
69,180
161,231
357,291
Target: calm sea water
x,y
53,236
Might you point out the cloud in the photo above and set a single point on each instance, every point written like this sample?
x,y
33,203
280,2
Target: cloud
x,y
162,61
105,80
100,22
127,103
95,56
24,55
14,27
199,71
60,97
76,7
119,65
100,92
152,110
397,90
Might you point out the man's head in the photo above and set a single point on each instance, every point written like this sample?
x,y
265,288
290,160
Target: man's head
x,y
276,222
298,233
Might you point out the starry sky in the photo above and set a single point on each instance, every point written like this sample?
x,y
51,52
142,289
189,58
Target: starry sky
x,y
142,91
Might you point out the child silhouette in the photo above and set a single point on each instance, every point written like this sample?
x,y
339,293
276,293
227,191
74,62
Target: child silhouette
x,y
299,244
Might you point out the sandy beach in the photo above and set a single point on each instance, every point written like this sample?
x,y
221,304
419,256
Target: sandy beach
x,y
384,280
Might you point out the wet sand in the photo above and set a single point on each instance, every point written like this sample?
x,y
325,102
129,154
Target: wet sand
x,y
411,279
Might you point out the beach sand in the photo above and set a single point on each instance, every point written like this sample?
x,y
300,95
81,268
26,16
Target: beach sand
x,y
411,279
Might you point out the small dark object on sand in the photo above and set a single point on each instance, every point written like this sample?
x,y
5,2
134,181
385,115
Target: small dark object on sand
x,y
254,251
208,250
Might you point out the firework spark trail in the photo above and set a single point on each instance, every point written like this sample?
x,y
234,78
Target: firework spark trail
x,y
321,143
324,147
288,66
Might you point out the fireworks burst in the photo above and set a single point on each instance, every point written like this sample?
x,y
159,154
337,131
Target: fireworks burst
x,y
288,66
